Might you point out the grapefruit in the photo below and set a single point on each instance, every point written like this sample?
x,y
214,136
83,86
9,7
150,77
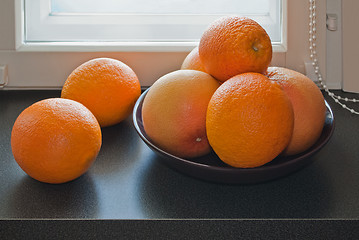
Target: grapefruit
x,y
174,112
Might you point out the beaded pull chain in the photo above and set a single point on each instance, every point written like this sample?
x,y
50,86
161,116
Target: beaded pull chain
x,y
313,56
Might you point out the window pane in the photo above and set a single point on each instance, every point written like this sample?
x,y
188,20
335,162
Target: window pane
x,y
161,6
142,21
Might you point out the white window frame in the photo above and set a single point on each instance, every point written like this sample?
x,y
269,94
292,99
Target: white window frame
x,y
41,10
46,66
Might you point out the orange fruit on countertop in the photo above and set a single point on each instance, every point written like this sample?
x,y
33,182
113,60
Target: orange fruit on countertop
x,y
193,62
108,87
249,120
308,105
233,45
174,112
55,140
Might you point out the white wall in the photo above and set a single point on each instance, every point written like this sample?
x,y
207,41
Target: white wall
x,y
50,69
350,45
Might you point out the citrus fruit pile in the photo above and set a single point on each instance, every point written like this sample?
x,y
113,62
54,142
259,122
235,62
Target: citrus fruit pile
x,y
56,140
225,97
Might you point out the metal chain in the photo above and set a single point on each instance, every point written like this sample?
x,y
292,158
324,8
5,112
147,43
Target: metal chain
x,y
313,56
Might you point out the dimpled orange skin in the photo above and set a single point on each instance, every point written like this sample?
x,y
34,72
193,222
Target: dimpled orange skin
x,y
174,112
108,87
234,45
55,140
192,61
308,105
249,120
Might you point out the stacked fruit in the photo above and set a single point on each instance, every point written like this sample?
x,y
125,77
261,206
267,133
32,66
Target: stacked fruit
x,y
227,98
224,98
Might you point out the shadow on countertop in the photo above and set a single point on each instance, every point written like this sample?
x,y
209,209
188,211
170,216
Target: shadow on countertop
x,y
30,198
169,194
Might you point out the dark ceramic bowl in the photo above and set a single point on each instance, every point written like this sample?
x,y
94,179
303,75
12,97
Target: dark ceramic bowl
x,y
211,168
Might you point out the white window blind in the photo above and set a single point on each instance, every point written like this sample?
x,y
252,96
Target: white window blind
x,y
142,21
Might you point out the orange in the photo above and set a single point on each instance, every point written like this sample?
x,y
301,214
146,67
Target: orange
x,y
192,61
308,105
108,87
55,140
249,120
233,45
174,112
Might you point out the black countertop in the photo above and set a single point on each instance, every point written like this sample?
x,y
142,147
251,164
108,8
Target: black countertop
x,y
129,191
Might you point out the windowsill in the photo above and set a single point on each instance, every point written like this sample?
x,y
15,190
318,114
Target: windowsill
x,y
129,185
117,47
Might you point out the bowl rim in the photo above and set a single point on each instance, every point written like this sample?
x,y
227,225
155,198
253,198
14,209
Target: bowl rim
x,y
137,115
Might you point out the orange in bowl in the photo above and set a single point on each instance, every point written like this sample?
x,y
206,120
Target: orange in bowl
x,y
234,45
193,62
249,120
